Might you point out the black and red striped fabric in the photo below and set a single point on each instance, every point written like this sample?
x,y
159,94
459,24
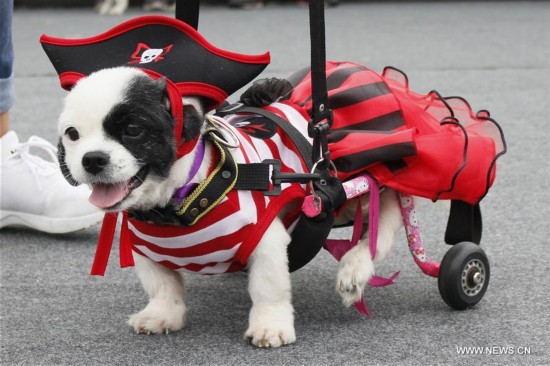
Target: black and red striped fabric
x,y
223,240
423,145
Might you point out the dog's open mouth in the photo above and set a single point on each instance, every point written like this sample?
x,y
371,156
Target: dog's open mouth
x,y
109,195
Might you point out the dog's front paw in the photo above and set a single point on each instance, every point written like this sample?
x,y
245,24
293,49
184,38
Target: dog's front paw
x,y
159,316
356,269
271,327
271,337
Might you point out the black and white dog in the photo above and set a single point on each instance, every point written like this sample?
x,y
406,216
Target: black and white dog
x,y
116,135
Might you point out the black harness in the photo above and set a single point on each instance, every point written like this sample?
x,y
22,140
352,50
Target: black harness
x,y
310,233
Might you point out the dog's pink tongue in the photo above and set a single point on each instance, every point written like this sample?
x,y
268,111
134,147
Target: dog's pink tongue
x,y
107,195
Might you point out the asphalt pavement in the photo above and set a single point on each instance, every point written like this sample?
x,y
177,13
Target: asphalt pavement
x,y
495,54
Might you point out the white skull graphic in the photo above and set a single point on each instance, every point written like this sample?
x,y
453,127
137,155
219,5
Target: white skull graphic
x,y
150,55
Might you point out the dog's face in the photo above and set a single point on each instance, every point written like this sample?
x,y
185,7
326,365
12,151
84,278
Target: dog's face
x,y
117,135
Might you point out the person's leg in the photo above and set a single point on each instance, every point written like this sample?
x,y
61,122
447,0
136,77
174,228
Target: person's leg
x,y
4,123
6,65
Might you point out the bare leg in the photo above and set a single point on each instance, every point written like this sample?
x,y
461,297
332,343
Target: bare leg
x,y
166,309
271,321
4,123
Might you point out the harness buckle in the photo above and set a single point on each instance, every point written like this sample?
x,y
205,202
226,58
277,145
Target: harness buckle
x,y
278,178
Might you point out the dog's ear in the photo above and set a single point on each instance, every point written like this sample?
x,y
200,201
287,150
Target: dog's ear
x,y
193,117
63,165
160,86
193,111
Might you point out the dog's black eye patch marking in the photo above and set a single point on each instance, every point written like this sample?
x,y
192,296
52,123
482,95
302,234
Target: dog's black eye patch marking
x,y
141,123
134,130
72,134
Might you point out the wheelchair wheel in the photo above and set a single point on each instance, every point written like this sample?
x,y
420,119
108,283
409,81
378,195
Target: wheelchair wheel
x,y
463,276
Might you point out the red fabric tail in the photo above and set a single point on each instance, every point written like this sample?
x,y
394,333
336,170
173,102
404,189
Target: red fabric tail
x,y
104,244
125,246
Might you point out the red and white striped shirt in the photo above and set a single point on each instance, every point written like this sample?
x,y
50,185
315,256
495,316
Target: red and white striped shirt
x,y
223,240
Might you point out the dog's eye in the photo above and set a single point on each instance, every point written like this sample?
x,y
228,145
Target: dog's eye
x,y
133,130
72,134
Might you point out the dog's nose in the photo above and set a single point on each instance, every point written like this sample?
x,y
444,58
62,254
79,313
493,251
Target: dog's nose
x,y
95,161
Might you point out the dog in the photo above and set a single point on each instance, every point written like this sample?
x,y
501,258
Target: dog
x,y
116,135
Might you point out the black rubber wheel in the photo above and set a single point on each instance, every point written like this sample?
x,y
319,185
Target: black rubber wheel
x,y
464,275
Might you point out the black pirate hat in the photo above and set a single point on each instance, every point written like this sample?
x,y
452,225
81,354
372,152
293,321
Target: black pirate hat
x,y
160,44
162,47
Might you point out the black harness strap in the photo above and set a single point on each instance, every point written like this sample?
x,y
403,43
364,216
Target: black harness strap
x,y
267,177
319,96
253,177
213,189
301,143
310,233
188,11
257,176
321,114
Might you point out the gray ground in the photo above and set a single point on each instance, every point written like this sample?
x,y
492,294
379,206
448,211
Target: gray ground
x,y
496,54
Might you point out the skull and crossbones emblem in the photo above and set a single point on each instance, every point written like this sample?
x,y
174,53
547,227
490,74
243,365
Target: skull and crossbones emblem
x,y
145,54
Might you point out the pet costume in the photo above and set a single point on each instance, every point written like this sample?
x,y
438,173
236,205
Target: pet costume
x,y
224,238
423,145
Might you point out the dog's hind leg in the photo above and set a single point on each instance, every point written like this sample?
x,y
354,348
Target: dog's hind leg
x,y
271,322
355,270
390,221
166,309
356,266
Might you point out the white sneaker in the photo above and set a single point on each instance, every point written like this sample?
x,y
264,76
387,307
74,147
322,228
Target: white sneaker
x,y
34,193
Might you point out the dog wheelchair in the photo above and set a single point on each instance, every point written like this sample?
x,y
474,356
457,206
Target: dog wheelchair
x,y
463,274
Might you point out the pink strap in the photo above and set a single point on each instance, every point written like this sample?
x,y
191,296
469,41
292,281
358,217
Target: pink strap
x,y
339,247
362,308
377,281
374,214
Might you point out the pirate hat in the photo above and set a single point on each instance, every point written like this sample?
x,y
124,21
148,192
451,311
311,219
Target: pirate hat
x,y
162,47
